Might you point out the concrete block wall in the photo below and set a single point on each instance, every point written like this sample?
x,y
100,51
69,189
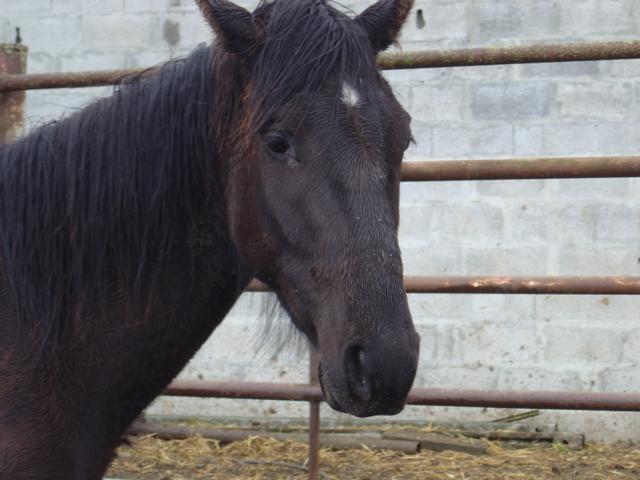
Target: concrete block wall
x,y
555,227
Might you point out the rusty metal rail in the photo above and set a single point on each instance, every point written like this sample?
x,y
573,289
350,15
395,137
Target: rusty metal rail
x,y
313,462
41,81
521,169
464,57
512,285
443,397
467,57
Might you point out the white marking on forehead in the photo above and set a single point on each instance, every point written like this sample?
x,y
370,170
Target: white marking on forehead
x,y
349,95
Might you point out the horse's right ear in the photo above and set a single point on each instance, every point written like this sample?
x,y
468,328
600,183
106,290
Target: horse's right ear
x,y
232,24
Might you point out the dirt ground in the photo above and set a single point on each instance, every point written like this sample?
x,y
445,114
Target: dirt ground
x,y
149,458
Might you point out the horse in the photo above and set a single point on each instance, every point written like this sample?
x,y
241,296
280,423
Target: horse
x,y
129,229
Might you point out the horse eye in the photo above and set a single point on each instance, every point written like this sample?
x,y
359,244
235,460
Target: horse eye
x,y
278,144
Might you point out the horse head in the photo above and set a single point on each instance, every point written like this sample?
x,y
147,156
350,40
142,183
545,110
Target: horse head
x,y
313,183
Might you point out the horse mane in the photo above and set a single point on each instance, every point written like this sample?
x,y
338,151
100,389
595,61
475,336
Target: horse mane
x,y
105,195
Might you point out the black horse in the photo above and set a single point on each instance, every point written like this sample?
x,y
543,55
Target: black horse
x,y
128,230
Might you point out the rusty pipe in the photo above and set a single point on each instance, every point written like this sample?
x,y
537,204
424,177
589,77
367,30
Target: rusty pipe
x,y
521,168
466,57
569,52
41,81
314,419
627,402
513,285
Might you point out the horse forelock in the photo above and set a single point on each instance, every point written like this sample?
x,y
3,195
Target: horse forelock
x,y
305,44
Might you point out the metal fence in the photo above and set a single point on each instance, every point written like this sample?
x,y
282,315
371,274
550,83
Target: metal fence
x,y
13,81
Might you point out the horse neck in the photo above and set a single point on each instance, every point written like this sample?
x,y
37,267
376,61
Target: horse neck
x,y
117,193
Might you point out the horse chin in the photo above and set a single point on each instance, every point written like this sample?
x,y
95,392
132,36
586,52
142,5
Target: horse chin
x,y
342,401
326,393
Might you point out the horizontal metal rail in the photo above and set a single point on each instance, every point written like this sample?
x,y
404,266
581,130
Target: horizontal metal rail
x,y
557,400
464,57
521,169
468,57
513,285
40,81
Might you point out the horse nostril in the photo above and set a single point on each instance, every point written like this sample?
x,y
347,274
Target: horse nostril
x,y
357,378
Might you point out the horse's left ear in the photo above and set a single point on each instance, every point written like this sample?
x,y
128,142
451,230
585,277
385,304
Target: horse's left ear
x,y
383,20
232,24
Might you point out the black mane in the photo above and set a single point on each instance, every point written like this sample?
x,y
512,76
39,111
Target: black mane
x,y
107,193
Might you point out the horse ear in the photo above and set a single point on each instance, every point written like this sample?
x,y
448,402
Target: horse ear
x,y
383,20
232,24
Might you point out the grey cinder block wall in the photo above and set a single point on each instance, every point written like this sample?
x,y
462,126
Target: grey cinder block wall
x,y
555,227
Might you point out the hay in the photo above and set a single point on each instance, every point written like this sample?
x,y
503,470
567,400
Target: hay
x,y
263,458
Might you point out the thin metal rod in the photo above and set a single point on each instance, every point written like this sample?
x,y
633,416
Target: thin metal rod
x,y
569,52
314,419
41,81
614,402
513,285
521,169
246,390
466,57
541,399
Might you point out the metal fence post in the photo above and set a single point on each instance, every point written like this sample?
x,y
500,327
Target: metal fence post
x,y
314,419
13,59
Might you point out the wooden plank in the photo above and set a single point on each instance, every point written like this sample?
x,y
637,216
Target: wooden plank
x,y
225,435
491,426
518,417
438,442
509,435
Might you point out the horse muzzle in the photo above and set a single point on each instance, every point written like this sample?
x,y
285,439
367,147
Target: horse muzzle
x,y
374,377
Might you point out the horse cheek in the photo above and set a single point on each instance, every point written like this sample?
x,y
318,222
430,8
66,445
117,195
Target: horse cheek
x,y
252,243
